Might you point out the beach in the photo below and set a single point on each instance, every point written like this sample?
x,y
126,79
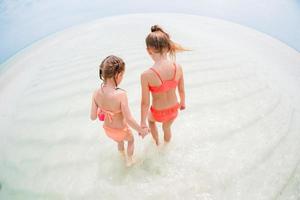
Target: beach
x,y
238,138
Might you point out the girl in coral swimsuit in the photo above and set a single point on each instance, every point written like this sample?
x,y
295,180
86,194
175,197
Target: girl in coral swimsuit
x,y
110,104
161,80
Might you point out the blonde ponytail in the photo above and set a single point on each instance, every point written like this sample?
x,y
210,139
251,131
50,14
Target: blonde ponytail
x,y
160,41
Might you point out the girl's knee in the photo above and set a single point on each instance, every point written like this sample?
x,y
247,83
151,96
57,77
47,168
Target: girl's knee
x,y
130,139
151,122
166,127
167,138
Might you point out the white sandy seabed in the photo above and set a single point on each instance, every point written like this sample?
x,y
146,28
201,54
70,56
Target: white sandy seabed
x,y
239,137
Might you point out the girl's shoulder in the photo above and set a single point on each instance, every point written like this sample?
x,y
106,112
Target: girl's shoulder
x,y
96,96
177,65
147,71
96,92
121,95
120,92
145,74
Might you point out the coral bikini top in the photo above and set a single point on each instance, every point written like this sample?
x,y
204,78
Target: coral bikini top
x,y
165,85
102,113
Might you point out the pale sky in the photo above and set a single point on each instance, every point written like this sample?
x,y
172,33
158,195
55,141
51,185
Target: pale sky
x,y
24,21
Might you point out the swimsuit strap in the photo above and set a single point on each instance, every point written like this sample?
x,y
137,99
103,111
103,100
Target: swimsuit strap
x,y
156,74
174,76
102,86
174,71
109,114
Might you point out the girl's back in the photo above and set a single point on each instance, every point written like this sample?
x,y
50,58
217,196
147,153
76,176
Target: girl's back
x,y
158,75
109,99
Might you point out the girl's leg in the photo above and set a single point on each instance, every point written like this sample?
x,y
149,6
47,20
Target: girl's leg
x,y
153,128
167,130
130,149
121,148
130,145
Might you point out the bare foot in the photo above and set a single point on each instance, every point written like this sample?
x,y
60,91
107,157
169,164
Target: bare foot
x,y
122,154
130,161
156,142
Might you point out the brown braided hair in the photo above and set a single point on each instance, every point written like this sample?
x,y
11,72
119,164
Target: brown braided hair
x,y
110,67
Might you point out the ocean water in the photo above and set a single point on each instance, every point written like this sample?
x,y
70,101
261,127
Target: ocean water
x,y
24,22
238,138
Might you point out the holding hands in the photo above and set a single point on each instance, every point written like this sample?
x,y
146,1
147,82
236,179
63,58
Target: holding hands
x,y
145,130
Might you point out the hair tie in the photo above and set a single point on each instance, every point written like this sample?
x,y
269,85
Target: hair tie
x,y
155,28
100,73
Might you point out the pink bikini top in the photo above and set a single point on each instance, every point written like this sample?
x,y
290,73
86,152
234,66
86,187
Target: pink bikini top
x,y
165,85
102,113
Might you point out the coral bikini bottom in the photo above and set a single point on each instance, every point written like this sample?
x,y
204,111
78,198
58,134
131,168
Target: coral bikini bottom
x,y
118,134
164,115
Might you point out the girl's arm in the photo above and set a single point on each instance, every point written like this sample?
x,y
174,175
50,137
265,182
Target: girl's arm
x,y
127,115
181,91
145,102
94,108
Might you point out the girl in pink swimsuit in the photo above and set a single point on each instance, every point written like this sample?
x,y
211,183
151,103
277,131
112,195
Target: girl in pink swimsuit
x,y
110,104
161,80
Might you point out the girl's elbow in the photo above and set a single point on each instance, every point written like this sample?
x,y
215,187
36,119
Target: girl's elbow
x,y
145,104
130,120
93,117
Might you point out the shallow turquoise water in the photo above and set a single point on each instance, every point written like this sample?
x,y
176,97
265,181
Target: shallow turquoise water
x,y
237,139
